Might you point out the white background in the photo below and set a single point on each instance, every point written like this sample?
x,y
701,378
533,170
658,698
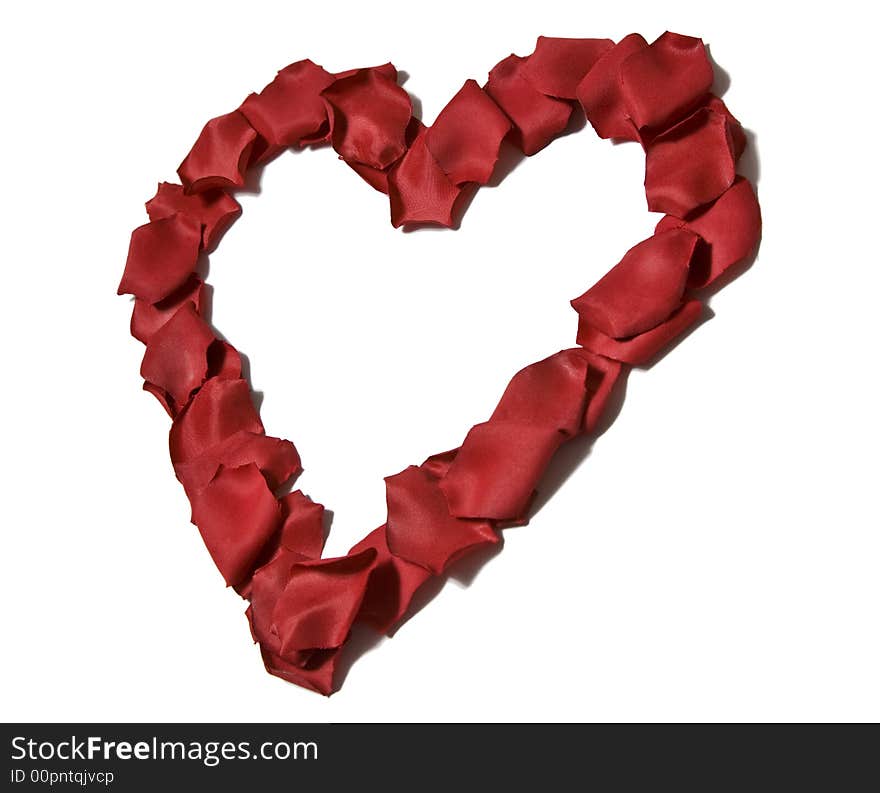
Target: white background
x,y
714,557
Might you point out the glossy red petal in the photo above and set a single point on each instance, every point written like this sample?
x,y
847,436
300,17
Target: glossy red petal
x,y
369,115
602,376
215,210
420,528
643,289
537,118
147,318
557,66
303,528
466,137
316,673
550,393
737,134
392,584
643,348
690,165
275,458
731,228
219,409
600,91
320,602
236,514
663,82
419,190
219,156
497,469
162,256
290,110
224,361
176,358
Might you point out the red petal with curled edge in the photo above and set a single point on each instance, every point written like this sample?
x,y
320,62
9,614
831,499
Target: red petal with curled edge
x,y
665,81
386,70
392,584
224,361
643,348
420,528
690,165
369,115
219,156
276,459
290,109
236,514
600,92
466,137
176,358
737,134
549,393
374,177
537,118
214,209
147,318
320,602
419,190
602,376
162,255
643,289
497,468
219,409
557,66
315,673
164,399
731,227
303,528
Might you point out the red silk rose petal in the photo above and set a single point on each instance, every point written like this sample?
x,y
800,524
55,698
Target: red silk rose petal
x,y
731,228
219,156
557,66
602,376
642,348
466,137
497,468
369,115
303,528
419,190
290,109
219,409
550,393
665,81
690,165
162,255
236,514
276,459
537,118
316,674
374,177
215,210
164,399
600,91
392,584
643,289
420,528
147,318
438,464
176,358
320,602
224,361
386,70
737,134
